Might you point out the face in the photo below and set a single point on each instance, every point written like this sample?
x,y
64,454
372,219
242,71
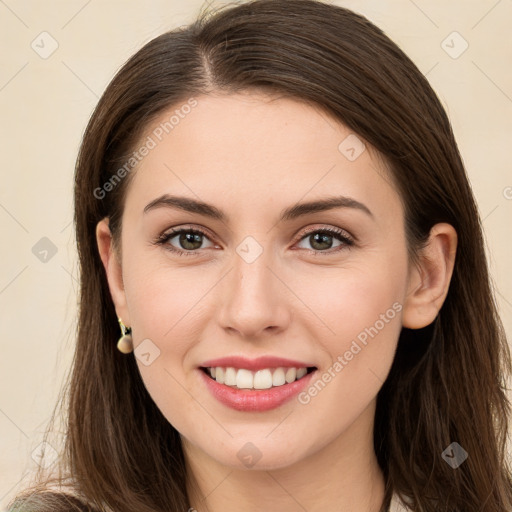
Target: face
x,y
258,286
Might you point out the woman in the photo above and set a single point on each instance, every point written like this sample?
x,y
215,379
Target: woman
x,y
271,206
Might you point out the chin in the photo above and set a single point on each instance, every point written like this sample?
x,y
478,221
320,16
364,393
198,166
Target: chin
x,y
258,456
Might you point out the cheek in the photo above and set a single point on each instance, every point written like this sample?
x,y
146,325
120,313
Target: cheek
x,y
163,298
163,304
348,384
351,300
362,308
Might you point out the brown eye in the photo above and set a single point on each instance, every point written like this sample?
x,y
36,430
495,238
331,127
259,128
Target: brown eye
x,y
322,240
187,241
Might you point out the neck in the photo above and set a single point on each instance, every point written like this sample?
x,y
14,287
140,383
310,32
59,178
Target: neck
x,y
342,476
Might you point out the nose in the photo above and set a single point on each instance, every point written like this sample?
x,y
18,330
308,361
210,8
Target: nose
x,y
253,301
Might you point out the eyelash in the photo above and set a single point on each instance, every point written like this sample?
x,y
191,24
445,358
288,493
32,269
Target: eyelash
x,y
335,232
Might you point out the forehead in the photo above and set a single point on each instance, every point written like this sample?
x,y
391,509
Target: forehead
x,y
249,147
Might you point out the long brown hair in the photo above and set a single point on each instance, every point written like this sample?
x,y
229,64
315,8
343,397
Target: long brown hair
x,y
448,380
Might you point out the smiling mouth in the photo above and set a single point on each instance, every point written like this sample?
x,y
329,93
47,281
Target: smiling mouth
x,y
267,378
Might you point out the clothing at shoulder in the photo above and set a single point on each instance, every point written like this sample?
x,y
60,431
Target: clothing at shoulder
x,y
397,505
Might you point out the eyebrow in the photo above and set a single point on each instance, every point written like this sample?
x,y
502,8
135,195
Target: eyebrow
x,y
299,210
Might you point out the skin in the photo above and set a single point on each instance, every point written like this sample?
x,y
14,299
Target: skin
x,y
252,156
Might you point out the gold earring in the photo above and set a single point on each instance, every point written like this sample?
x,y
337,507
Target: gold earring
x,y
125,343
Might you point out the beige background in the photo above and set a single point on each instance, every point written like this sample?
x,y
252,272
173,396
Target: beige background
x,y
46,102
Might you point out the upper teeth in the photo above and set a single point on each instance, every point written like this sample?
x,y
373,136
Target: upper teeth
x,y
261,379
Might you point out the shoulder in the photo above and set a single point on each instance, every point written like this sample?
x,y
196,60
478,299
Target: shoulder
x,y
397,505
48,501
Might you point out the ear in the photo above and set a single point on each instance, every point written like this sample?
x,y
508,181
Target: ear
x,y
429,279
113,269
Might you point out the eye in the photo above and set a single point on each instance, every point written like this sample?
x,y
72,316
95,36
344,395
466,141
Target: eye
x,y
321,239
189,241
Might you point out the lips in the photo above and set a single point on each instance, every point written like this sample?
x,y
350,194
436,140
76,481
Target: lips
x,y
255,384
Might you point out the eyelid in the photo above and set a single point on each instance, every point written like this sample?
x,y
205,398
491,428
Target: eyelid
x,y
175,230
329,229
